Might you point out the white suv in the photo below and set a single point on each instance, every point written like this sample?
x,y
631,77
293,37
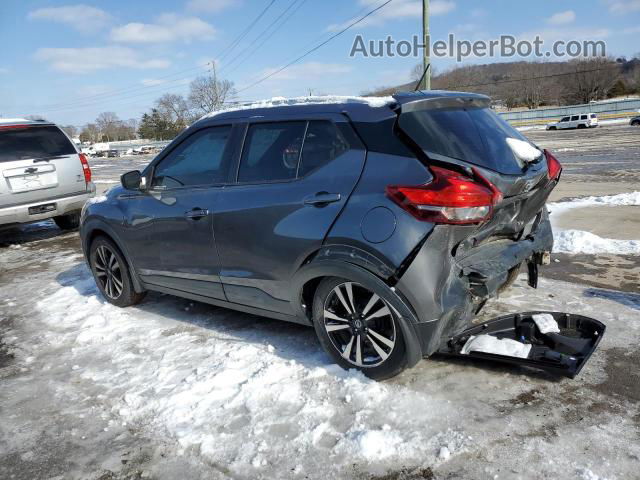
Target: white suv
x,y
584,120
42,174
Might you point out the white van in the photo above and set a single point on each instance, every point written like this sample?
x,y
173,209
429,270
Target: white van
x,y
42,174
583,120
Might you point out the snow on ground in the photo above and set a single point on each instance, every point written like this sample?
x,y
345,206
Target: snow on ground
x,y
241,401
259,399
578,241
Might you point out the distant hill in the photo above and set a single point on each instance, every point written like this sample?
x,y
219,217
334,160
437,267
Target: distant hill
x,y
536,84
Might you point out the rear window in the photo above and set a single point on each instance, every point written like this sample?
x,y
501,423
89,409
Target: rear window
x,y
475,135
33,142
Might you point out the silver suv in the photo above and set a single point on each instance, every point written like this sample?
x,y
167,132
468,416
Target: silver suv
x,y
42,174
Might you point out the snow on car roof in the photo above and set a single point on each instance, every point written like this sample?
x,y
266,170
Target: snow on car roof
x,y
13,120
311,100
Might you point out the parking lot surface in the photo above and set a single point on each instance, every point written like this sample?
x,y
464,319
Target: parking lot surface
x,y
176,389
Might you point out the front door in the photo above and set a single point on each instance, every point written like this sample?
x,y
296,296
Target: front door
x,y
293,179
175,215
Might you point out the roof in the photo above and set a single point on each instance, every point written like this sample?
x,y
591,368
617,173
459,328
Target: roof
x,y
359,108
22,121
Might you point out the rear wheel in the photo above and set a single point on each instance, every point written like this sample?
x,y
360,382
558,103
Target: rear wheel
x,y
358,328
111,273
70,221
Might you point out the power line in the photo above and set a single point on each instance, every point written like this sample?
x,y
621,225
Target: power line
x,y
246,31
309,52
225,51
262,36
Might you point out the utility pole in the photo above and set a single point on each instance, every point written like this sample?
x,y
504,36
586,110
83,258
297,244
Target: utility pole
x,y
426,79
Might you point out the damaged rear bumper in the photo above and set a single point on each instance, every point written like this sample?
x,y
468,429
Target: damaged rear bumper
x,y
446,291
487,267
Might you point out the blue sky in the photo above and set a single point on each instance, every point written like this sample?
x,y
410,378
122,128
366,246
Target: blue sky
x,y
69,61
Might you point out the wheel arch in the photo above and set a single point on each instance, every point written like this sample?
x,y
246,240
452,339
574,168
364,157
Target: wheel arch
x,y
94,229
306,280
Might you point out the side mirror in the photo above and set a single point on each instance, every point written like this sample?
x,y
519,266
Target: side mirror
x,y
132,180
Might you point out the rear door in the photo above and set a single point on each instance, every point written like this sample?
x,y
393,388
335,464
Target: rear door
x,y
37,162
293,179
575,120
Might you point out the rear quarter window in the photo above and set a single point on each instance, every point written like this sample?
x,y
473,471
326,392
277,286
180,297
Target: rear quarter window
x,y
20,143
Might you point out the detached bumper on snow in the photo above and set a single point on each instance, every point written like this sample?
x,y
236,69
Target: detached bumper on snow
x,y
563,349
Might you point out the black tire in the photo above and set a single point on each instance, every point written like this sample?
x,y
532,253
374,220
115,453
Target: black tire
x,y
635,124
372,363
111,273
70,221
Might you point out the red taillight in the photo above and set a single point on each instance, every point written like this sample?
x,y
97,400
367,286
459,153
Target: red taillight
x,y
451,197
85,167
554,167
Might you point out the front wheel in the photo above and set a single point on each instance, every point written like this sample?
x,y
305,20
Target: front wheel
x,y
111,273
358,328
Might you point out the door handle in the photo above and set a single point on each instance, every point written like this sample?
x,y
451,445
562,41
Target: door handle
x,y
196,213
321,199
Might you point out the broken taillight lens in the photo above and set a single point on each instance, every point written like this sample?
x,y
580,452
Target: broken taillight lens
x,y
554,168
451,197
85,167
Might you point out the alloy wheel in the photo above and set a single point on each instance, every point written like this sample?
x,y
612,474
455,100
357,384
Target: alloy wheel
x,y
360,324
109,272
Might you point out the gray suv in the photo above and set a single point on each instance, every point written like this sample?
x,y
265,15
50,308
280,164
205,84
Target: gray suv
x,y
386,225
42,175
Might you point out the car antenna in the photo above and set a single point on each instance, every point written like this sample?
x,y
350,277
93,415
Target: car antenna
x,y
421,78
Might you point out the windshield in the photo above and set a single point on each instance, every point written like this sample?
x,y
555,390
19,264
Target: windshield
x,y
19,143
474,135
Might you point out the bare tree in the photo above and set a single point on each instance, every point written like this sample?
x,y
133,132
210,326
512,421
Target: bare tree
x,y
209,93
107,123
132,123
591,80
90,133
70,130
174,109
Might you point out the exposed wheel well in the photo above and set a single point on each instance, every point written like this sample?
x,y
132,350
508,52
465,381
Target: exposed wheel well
x,y
308,293
95,234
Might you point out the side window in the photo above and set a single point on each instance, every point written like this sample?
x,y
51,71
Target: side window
x,y
565,119
271,152
323,143
574,118
199,160
583,117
